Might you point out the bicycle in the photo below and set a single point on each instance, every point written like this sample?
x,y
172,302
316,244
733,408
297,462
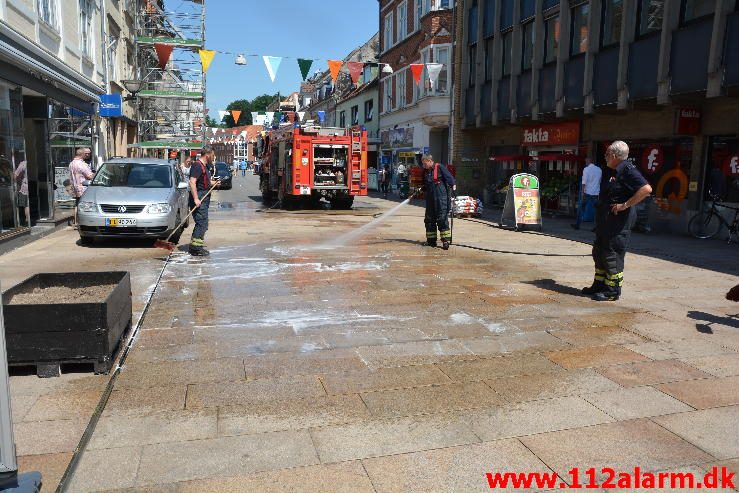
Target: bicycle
x,y
708,222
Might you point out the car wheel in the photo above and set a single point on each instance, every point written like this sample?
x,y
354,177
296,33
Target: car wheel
x,y
87,240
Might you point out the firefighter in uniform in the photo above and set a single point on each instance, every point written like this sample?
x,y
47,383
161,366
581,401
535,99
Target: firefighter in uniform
x,y
436,183
622,188
200,184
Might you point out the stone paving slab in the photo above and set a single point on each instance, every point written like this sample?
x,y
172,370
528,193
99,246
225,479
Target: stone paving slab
x,y
120,466
590,357
714,430
181,372
525,342
723,365
488,368
413,353
702,394
549,385
146,401
383,379
47,437
636,402
242,393
651,372
51,467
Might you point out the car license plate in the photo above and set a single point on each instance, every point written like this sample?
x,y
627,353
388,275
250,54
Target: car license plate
x,y
120,223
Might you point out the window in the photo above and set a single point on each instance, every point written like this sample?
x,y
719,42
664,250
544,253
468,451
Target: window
x,y
528,34
613,11
579,39
369,110
419,14
355,115
48,12
528,8
488,60
488,20
551,39
388,34
387,94
473,66
342,119
401,88
506,14
507,46
86,14
442,57
402,21
692,9
650,14
472,23
113,55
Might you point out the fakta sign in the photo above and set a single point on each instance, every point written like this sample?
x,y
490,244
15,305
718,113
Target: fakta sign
x,y
688,121
652,159
547,134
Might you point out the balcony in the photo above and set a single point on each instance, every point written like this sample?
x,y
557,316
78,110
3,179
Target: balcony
x,y
436,109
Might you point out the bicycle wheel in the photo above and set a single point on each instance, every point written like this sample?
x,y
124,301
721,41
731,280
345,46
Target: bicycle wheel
x,y
704,225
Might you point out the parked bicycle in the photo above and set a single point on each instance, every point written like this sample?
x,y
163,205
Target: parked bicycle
x,y
709,222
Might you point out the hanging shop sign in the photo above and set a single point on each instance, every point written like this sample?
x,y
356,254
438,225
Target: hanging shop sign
x,y
652,159
522,206
688,121
548,134
731,166
111,105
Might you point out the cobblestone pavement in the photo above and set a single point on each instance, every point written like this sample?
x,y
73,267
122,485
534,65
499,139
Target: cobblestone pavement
x,y
282,364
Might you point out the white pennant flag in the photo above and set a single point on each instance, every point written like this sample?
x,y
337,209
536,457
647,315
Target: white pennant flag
x,y
222,114
254,116
270,116
434,69
301,114
243,134
273,65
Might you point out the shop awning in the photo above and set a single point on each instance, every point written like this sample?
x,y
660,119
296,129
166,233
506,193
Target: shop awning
x,y
558,157
510,157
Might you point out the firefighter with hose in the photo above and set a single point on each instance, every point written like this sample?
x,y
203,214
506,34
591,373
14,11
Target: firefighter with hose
x,y
437,181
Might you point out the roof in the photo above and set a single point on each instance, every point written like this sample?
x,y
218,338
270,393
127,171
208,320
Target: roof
x,y
138,160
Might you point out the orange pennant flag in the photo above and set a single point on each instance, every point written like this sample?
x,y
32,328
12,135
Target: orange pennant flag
x,y
417,69
236,114
335,66
163,54
206,57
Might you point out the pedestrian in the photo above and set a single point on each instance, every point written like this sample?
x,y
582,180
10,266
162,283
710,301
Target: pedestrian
x,y
79,171
185,167
436,183
591,177
384,180
622,188
242,167
21,182
200,184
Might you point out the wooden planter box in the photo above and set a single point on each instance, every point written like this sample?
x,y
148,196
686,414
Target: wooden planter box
x,y
48,333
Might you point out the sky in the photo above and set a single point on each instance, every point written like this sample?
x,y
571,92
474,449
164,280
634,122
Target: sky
x,y
325,29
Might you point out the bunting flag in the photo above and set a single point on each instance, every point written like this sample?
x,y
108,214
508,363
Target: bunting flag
x,y
254,116
244,133
434,69
301,115
270,117
417,70
273,65
163,53
236,114
321,116
206,57
222,114
355,70
335,66
305,66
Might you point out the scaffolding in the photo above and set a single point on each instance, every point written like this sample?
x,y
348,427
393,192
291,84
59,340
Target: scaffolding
x,y
171,102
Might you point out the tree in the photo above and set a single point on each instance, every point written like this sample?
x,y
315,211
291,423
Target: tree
x,y
210,122
246,107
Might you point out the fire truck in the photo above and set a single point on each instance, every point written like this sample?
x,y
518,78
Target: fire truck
x,y
300,166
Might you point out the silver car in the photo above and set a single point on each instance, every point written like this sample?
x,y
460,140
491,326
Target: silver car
x,y
133,197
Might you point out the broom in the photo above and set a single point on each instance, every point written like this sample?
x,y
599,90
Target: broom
x,y
168,245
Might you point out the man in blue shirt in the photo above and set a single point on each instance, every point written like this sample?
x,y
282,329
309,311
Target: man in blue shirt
x,y
436,183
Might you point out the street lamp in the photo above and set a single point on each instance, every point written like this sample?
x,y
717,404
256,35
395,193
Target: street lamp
x,y
132,86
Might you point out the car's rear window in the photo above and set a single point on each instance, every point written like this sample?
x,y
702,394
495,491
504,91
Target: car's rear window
x,y
134,175
221,169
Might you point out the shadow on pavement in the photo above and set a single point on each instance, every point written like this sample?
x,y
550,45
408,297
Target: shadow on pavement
x,y
729,321
533,254
554,286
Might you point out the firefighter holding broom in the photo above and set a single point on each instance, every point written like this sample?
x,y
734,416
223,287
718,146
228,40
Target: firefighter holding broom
x,y
200,187
437,180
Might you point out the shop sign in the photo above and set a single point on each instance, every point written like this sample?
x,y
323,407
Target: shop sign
x,y
731,166
567,133
111,105
62,185
688,121
522,205
397,137
652,159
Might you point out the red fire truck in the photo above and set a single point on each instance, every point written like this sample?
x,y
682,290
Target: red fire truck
x,y
299,166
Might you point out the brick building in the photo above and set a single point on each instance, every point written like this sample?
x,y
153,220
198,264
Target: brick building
x,y
415,118
546,85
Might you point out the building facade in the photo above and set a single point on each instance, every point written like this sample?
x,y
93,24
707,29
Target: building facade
x,y
415,117
359,108
52,72
546,85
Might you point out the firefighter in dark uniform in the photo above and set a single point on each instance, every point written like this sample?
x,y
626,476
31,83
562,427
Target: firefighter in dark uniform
x,y
200,184
436,183
622,187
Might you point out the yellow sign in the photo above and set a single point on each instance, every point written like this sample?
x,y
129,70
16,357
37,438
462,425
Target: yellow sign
x,y
407,154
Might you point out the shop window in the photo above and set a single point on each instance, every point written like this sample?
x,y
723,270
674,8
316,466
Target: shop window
x,y
472,66
342,119
506,58
551,41
48,12
355,115
388,32
402,21
506,14
472,23
369,110
528,34
693,9
86,13
650,14
489,60
488,21
11,155
579,33
722,174
613,11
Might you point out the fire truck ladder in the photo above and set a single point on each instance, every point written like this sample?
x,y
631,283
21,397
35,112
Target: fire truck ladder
x,y
356,161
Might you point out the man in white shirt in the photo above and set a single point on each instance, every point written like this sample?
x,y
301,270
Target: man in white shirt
x,y
591,177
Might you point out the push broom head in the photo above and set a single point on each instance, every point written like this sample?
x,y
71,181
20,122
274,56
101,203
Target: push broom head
x,y
166,245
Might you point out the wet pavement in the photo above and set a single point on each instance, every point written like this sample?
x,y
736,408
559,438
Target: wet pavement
x,y
281,363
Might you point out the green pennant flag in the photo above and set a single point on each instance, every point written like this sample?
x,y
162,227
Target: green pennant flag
x,y
305,66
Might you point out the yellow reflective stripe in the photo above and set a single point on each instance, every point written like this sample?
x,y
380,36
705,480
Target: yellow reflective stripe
x,y
600,271
431,235
608,282
446,234
599,278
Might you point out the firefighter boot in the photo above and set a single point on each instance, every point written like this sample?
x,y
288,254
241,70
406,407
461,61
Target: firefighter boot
x,y
610,294
430,242
197,248
445,244
598,283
